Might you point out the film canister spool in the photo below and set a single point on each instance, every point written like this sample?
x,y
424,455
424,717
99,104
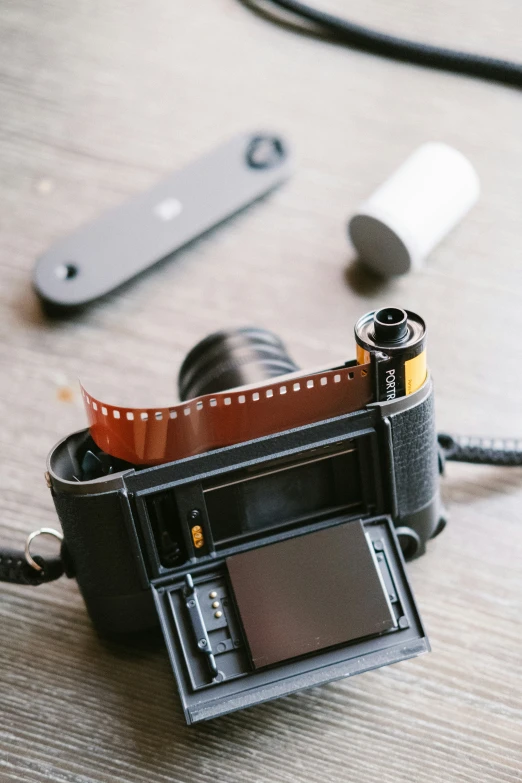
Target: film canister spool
x,y
413,210
394,341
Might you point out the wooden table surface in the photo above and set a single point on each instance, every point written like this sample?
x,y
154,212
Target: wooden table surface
x,y
97,102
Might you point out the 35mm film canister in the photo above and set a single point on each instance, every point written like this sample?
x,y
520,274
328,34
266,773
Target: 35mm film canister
x,y
394,341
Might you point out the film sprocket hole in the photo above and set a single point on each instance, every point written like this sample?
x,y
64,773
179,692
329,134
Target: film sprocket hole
x,y
272,559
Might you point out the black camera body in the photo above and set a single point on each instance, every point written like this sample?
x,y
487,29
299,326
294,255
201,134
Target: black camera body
x,y
273,564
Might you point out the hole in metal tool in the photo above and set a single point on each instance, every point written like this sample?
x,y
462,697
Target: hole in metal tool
x,y
66,271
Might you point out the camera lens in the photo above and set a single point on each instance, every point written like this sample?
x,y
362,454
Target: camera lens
x,y
236,357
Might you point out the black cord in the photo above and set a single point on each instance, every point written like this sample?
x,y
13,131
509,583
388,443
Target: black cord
x,y
365,39
14,568
480,451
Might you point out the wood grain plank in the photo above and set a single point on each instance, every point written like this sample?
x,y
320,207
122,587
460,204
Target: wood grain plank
x,y
97,102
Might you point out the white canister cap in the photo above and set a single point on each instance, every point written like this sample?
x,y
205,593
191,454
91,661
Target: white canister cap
x,y
400,224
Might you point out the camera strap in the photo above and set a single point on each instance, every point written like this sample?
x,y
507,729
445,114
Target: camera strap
x,y
20,567
322,23
505,452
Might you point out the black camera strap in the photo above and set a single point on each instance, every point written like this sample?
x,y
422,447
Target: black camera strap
x,y
14,568
20,567
480,451
383,44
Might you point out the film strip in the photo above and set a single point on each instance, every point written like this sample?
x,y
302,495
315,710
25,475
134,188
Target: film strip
x,y
151,436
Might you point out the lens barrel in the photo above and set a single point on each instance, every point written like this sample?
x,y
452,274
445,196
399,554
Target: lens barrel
x,y
235,357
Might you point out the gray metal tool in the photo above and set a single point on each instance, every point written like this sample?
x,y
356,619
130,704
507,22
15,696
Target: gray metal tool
x,y
102,255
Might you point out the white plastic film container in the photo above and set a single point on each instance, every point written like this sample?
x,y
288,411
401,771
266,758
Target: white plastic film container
x,y
400,224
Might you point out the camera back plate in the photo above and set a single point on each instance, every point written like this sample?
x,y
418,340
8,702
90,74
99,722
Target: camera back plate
x,y
378,622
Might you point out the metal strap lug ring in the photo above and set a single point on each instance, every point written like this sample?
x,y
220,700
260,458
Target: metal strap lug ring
x,y
44,531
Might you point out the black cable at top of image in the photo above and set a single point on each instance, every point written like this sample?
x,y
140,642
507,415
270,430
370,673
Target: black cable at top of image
x,y
365,39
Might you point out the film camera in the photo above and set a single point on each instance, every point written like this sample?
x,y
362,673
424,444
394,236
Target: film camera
x,y
264,521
